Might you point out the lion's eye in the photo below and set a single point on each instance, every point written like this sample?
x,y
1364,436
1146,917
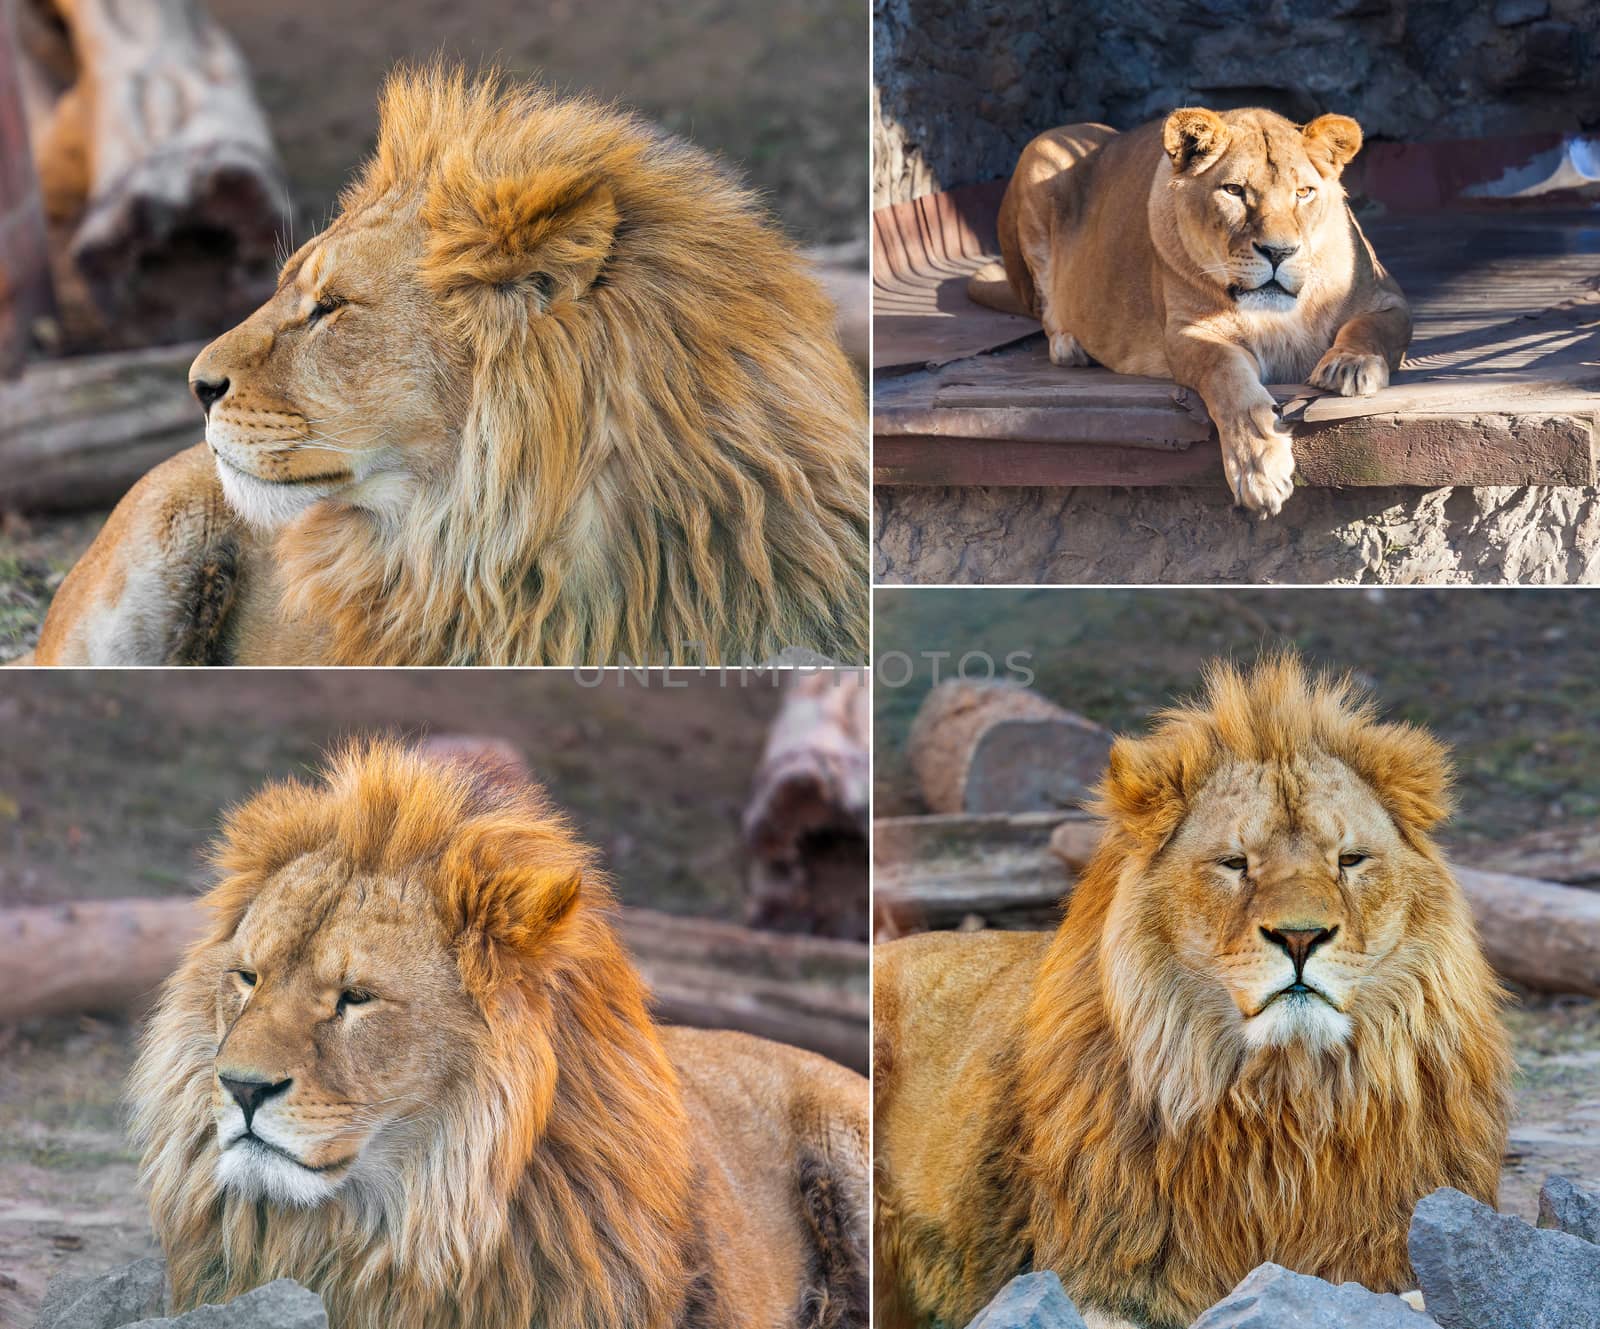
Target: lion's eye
x,y
1236,190
353,997
1237,863
1305,191
323,308
1351,860
245,976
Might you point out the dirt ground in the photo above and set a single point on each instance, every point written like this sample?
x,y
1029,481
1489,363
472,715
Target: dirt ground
x,y
777,88
110,784
1506,677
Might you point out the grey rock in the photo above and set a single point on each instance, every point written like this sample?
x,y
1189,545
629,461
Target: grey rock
x,y
1030,1301
105,1301
1483,1270
1510,13
280,1305
1564,1206
1271,1297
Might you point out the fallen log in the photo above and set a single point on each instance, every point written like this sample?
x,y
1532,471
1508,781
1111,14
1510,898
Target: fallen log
x,y
1569,854
805,826
113,955
76,433
1017,871
25,290
991,746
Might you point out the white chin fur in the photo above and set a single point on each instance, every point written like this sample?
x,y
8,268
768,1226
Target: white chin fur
x,y
1266,302
263,504
1298,1018
255,1174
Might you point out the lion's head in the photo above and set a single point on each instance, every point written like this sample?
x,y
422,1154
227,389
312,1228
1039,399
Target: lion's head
x,y
550,389
1255,202
410,1066
1267,997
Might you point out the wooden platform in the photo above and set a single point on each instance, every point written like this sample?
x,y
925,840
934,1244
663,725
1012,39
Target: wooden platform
x,y
1501,387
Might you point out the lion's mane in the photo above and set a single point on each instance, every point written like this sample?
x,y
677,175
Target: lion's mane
x,y
665,449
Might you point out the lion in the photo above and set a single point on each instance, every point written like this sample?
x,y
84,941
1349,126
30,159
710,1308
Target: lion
x,y
1214,248
409,1065
551,389
1263,1031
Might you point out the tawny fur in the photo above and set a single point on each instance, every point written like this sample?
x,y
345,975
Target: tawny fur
x,y
573,400
567,1168
1087,1103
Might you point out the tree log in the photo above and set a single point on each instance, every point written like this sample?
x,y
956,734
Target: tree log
x,y
25,290
990,746
161,170
805,826
1569,854
75,434
1016,871
106,956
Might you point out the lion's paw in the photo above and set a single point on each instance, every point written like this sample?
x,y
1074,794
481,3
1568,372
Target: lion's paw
x,y
1065,351
1258,456
1350,373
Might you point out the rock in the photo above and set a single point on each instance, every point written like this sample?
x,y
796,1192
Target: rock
x,y
283,1304
1511,13
1564,1206
1030,1301
106,1301
1483,1270
1271,1297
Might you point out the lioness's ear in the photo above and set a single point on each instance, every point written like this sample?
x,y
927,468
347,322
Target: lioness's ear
x,y
508,902
1331,141
1194,138
548,236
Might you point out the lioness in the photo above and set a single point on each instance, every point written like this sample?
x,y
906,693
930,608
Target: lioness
x,y
1211,248
411,1066
1264,1030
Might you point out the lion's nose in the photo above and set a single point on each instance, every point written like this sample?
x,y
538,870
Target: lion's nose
x,y
208,391
251,1094
1275,254
1298,943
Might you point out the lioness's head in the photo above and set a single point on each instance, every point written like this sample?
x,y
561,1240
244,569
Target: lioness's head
x,y
1276,890
1255,199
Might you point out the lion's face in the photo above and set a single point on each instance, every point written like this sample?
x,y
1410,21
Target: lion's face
x,y
1284,898
340,1020
340,386
1256,200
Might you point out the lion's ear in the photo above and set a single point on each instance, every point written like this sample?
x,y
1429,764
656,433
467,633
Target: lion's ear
x,y
1331,141
1146,788
509,902
1194,138
548,236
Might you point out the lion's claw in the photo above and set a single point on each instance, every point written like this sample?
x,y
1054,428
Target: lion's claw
x,y
1350,373
1258,456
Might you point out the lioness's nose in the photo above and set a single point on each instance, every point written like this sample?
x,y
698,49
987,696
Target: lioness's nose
x,y
251,1094
208,391
1298,943
1275,254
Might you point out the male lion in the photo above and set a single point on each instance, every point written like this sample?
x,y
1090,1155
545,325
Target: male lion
x,y
550,390
410,1066
1211,248
1263,1031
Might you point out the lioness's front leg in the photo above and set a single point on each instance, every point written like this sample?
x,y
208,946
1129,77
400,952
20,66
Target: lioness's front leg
x,y
1367,349
1257,452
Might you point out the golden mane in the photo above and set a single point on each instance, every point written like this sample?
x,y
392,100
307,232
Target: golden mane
x,y
1162,1162
558,1188
673,466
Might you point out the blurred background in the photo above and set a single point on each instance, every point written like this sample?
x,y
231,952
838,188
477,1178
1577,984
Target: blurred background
x,y
979,785
730,811
157,157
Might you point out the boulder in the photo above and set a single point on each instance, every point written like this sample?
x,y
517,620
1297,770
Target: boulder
x,y
1271,1297
1562,1205
283,1304
105,1301
1030,1301
1483,1270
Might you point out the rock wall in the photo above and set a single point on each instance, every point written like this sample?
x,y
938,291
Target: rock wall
x,y
974,536
962,85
